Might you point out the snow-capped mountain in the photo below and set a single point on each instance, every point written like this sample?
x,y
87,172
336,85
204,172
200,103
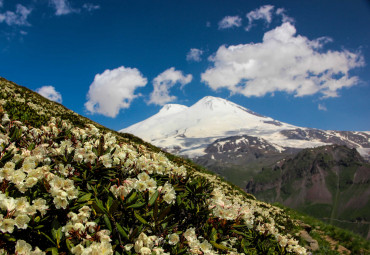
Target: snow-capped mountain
x,y
190,130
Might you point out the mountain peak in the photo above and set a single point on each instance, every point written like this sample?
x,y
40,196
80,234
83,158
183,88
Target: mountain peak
x,y
220,104
213,103
172,108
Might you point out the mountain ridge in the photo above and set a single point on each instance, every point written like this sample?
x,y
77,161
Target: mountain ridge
x,y
321,181
190,130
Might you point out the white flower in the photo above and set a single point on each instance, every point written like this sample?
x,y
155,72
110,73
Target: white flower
x,y
205,246
40,205
37,251
105,248
128,246
145,251
143,177
8,204
60,202
170,197
21,221
30,182
190,234
78,249
141,185
23,248
7,225
173,239
104,235
106,160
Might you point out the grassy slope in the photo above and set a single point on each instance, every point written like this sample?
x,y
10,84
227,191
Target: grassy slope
x,y
18,110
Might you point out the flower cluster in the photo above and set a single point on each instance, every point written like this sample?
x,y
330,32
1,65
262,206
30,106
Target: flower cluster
x,y
24,248
85,231
62,190
195,246
18,212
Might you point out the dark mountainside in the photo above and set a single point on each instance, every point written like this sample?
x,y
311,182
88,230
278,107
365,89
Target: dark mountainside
x,y
237,158
331,183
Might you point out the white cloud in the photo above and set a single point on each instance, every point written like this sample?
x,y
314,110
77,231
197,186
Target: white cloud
x,y
163,82
50,93
282,62
1,3
114,90
284,17
62,7
194,55
322,107
91,7
229,22
264,13
19,17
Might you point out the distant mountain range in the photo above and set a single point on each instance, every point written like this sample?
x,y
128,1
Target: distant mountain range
x,y
323,173
215,125
329,182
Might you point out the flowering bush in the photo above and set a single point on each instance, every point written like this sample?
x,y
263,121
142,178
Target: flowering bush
x,y
69,187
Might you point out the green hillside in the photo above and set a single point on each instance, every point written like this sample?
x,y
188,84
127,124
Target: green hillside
x,y
70,186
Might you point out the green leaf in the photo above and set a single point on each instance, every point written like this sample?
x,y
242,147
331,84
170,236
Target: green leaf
x,y
132,197
219,246
84,198
39,227
48,237
241,233
31,147
141,219
54,250
114,207
98,206
109,203
137,205
153,198
122,231
9,237
56,231
214,234
164,213
76,179
107,222
69,244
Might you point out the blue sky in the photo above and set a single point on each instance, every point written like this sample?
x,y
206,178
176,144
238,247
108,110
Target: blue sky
x,y
117,62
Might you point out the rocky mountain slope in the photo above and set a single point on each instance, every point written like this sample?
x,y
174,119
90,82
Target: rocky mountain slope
x,y
329,182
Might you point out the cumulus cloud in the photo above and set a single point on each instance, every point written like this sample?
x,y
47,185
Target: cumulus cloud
x,y
114,90
194,55
91,7
162,84
283,61
19,17
50,93
263,13
322,107
284,18
62,7
229,22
